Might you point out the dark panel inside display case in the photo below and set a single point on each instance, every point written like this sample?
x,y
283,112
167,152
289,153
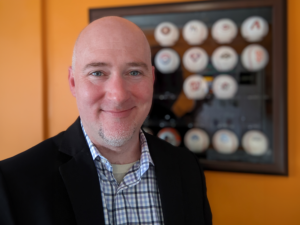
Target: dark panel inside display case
x,y
254,107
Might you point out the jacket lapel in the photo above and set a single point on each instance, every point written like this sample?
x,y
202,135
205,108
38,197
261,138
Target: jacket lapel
x,y
80,177
168,180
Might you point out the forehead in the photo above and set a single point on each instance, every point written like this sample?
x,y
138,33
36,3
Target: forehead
x,y
105,47
114,56
122,43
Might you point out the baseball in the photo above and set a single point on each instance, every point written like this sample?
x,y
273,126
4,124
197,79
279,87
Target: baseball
x,y
166,34
254,28
225,141
255,57
195,87
224,58
167,61
196,140
255,142
195,59
194,32
224,86
170,135
224,31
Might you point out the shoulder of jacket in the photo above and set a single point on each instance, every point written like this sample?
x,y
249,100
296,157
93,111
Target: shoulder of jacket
x,y
42,152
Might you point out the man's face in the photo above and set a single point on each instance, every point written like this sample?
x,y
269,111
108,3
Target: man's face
x,y
113,85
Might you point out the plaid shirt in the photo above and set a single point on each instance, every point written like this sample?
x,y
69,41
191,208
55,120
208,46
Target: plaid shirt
x,y
136,199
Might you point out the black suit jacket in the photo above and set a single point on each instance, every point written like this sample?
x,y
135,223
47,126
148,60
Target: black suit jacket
x,y
56,182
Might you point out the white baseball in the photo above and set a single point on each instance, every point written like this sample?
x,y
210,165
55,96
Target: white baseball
x,y
195,59
195,87
170,135
224,31
255,57
254,28
224,86
224,58
194,32
166,34
225,141
255,142
167,60
196,140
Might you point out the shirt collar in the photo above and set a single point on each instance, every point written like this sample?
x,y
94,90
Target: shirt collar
x,y
145,159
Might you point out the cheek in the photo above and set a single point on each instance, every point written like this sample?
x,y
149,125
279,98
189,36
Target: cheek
x,y
144,93
88,94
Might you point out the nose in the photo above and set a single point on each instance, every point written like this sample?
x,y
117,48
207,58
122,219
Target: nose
x,y
117,89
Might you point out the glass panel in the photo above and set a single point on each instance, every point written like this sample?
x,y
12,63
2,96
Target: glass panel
x,y
249,110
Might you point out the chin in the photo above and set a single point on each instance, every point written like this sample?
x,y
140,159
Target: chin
x,y
117,135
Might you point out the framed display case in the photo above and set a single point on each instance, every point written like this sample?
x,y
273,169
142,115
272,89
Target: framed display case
x,y
221,78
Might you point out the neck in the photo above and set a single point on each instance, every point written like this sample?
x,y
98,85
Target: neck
x,y
127,153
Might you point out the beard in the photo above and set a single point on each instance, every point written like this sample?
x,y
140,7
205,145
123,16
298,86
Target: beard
x,y
118,136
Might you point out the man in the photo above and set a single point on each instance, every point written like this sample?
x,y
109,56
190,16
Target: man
x,y
104,169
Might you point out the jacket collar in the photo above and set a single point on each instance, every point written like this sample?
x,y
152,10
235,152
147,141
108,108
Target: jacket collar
x,y
168,175
73,141
80,177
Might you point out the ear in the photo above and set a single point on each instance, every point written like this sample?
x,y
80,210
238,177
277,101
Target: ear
x,y
153,73
71,80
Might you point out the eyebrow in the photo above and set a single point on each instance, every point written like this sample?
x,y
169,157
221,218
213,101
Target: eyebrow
x,y
95,64
138,64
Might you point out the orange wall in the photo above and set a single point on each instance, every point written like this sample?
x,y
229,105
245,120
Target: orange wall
x,y
20,76
236,199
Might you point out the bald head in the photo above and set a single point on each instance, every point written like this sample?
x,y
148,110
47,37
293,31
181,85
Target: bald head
x,y
110,32
112,79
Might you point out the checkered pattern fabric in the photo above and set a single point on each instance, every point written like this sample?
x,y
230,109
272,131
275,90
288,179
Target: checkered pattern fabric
x,y
136,199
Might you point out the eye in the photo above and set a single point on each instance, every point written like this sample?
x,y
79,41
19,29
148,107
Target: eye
x,y
134,73
97,73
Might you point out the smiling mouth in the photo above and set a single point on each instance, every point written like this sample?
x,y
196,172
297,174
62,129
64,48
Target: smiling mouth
x,y
119,113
